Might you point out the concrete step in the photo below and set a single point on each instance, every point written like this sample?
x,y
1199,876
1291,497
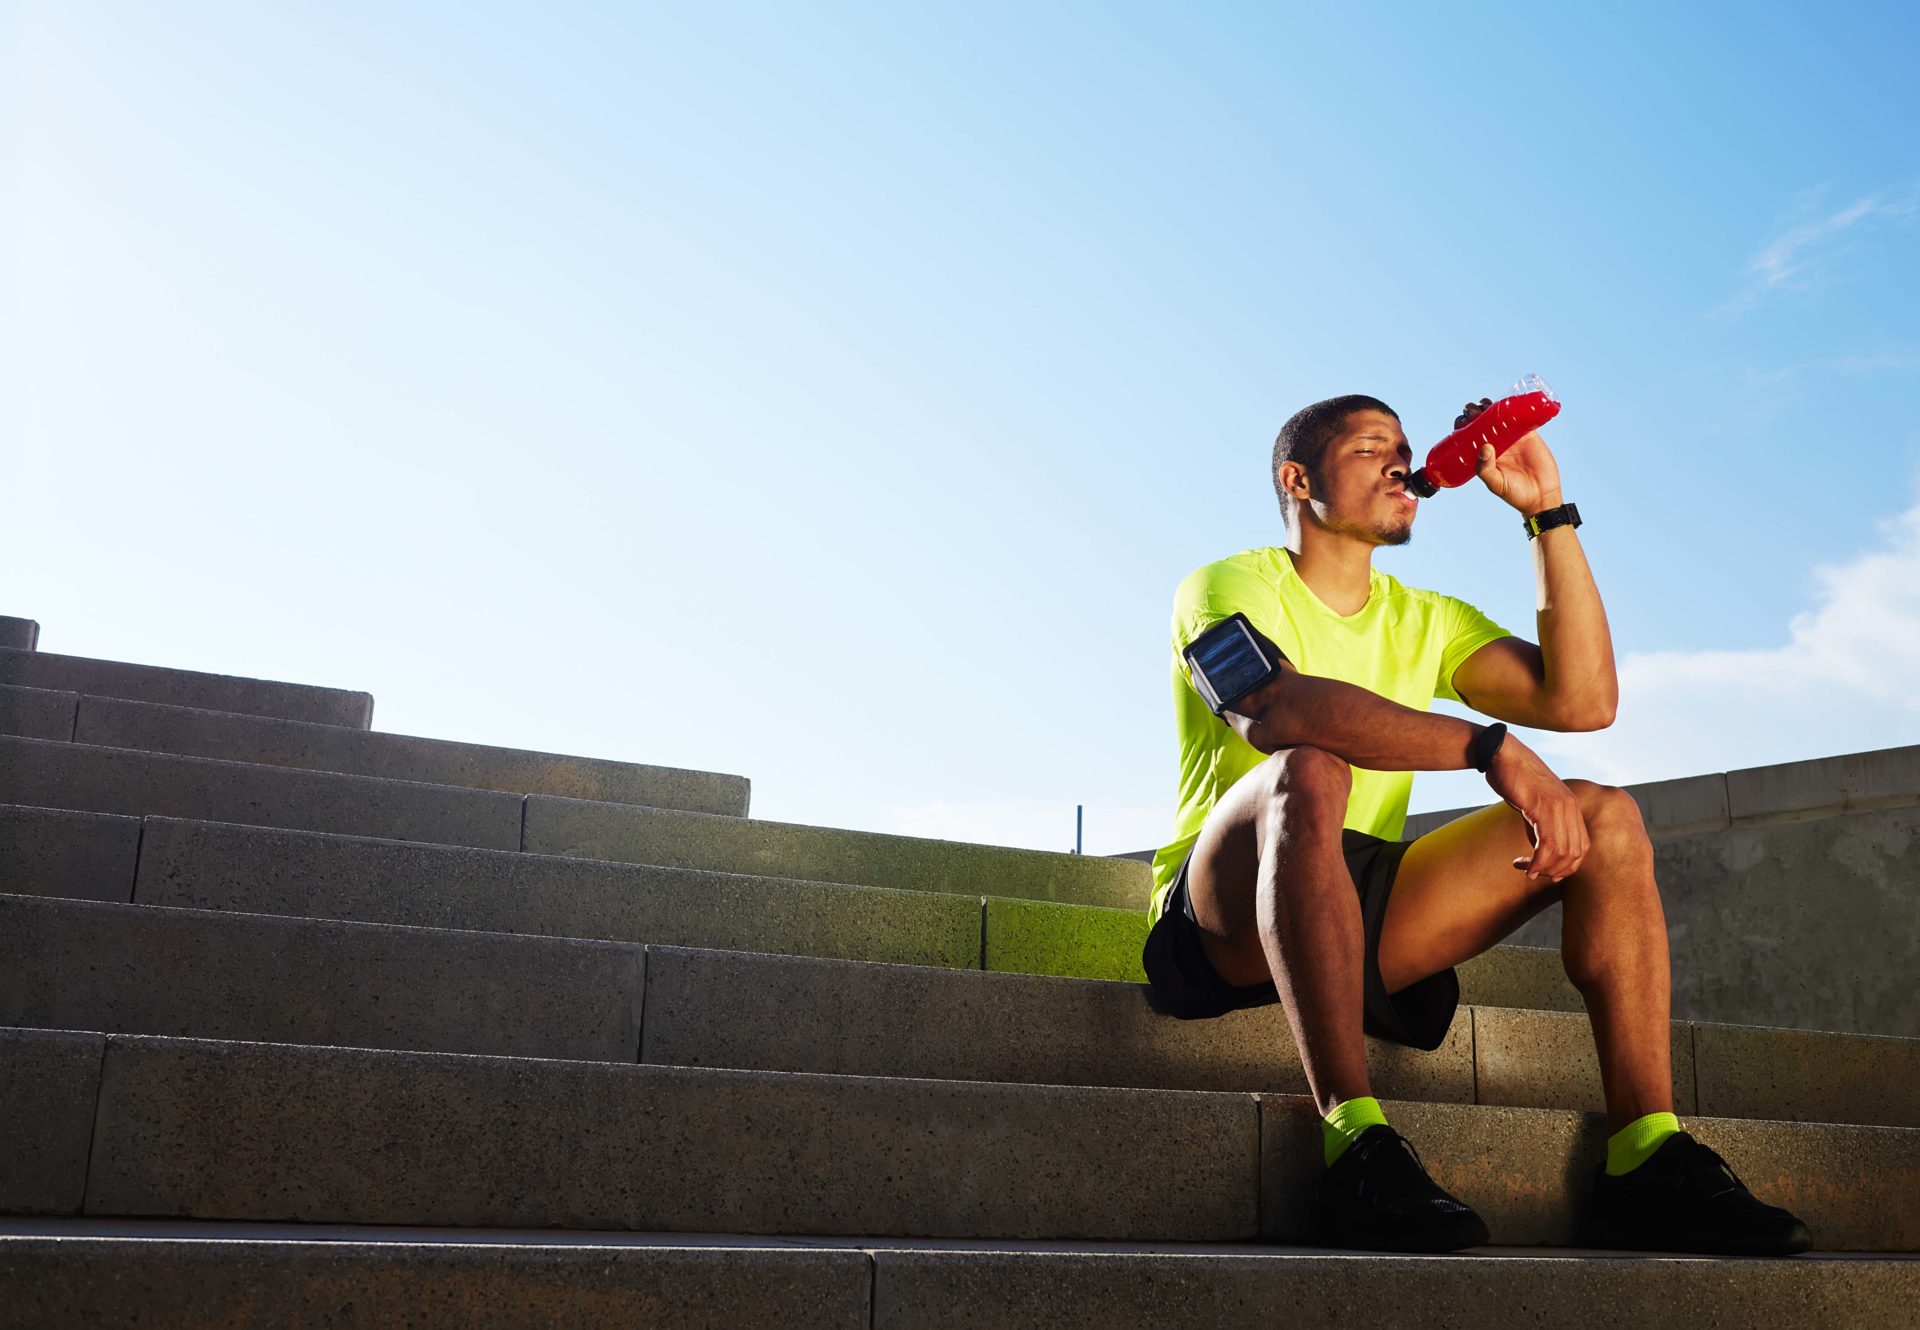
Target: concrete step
x,y
58,852
1750,796
142,969
188,688
18,634
238,1131
211,974
85,778
269,741
210,866
673,839
37,713
265,977
195,1274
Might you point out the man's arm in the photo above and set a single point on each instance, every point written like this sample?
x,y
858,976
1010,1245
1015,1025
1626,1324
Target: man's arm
x,y
1351,722
1568,681
1377,733
1576,646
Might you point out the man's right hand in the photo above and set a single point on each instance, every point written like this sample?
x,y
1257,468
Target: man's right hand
x,y
1554,821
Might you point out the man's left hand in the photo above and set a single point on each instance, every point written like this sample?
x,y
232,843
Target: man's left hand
x,y
1525,476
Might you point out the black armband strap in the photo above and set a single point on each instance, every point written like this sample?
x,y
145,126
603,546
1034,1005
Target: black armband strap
x,y
1230,660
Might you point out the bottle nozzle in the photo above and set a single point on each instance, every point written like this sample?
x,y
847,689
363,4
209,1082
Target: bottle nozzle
x,y
1533,383
1417,482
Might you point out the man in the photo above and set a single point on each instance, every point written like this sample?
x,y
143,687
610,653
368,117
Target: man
x,y
1287,882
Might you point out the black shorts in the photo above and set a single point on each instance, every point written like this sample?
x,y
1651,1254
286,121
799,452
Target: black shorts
x,y
1182,982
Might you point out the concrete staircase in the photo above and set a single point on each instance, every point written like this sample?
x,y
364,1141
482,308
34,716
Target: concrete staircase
x,y
305,1023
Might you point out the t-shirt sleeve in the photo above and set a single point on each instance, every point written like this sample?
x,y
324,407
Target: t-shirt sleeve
x,y
1218,591
1465,631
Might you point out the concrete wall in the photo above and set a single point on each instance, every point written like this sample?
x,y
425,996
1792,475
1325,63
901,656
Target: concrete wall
x,y
1814,925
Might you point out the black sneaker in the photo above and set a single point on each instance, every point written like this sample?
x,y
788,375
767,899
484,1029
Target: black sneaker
x,y
1377,1195
1684,1198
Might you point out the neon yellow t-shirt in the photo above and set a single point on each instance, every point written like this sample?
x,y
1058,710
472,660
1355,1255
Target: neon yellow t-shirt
x,y
1404,644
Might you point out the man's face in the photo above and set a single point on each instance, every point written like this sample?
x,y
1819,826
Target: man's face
x,y
1364,481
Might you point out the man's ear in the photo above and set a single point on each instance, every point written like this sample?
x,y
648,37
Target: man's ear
x,y
1293,477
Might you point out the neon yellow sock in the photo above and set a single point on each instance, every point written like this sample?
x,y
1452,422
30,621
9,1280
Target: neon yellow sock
x,y
1635,1143
1349,1118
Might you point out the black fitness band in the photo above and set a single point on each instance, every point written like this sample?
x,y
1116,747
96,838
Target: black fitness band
x,y
1547,519
1485,744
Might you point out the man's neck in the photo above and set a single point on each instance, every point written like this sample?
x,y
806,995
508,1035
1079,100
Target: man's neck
x,y
1337,569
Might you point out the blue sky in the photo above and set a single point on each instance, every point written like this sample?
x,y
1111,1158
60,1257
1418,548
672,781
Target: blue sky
x,y
836,395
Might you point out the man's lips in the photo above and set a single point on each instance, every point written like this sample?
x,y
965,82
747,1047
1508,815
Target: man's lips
x,y
1404,497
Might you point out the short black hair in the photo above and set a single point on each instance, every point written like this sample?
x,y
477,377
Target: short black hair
x,y
1304,439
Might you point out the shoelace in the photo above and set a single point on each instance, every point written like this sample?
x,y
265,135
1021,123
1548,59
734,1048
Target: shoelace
x,y
1708,1168
1386,1141
1383,1141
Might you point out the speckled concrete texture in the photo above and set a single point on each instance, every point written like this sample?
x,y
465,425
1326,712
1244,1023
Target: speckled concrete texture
x,y
120,780
1529,1172
18,634
1850,782
37,713
1072,941
55,852
1546,1059
1812,924
48,1079
251,1131
187,688
158,1282
1097,1291
139,969
1512,976
210,866
726,1009
1804,1076
269,741
1858,1188
826,854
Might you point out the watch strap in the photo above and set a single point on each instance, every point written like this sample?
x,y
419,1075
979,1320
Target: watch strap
x,y
1485,744
1565,515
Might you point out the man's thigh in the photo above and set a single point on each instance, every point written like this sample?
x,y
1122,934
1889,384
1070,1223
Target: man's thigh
x,y
1457,892
1223,872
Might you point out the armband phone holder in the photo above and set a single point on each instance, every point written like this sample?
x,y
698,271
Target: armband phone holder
x,y
1230,660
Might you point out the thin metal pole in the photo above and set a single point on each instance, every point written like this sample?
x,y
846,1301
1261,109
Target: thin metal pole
x,y
1079,822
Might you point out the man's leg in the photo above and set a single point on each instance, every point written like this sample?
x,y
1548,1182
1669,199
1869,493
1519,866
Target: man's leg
x,y
1457,893
1274,900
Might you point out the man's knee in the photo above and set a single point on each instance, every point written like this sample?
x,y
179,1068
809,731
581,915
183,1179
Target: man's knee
x,y
1304,775
1612,816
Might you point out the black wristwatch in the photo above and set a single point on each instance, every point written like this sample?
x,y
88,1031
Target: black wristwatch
x,y
1485,744
1565,515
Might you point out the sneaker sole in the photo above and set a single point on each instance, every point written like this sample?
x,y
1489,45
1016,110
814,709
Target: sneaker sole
x,y
1454,1236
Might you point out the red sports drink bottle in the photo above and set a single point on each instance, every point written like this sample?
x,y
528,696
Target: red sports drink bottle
x,y
1456,459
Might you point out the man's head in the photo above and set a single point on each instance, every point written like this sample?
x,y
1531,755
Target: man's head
x,y
1336,464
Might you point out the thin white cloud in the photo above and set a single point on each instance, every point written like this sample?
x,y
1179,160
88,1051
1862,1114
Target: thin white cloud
x,y
1897,360
1799,256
